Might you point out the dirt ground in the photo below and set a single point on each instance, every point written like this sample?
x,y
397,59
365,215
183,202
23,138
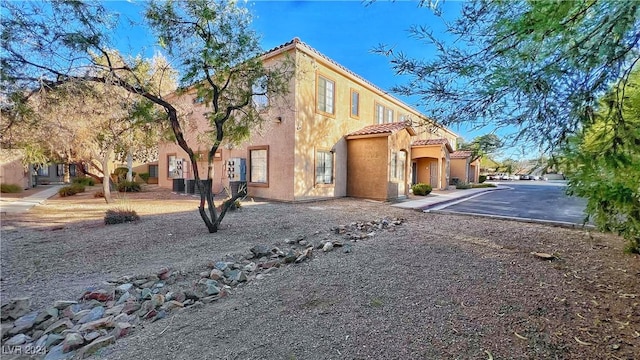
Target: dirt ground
x,y
438,287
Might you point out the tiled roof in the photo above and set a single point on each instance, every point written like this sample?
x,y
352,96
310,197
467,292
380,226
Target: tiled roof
x,y
460,154
388,128
440,141
430,142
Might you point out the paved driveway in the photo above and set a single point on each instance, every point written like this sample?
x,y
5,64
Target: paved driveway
x,y
544,201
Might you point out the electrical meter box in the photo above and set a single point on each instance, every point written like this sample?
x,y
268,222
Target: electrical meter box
x,y
237,169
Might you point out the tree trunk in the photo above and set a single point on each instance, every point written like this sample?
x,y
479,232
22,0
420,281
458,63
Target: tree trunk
x,y
106,181
66,173
129,166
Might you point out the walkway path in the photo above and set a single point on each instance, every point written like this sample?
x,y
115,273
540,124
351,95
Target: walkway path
x,y
20,205
442,198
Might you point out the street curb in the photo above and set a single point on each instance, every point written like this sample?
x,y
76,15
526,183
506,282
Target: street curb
x,y
449,202
562,224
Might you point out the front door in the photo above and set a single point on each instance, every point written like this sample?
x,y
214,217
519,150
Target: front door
x,y
433,174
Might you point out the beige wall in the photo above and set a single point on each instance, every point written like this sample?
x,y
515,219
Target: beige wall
x,y
368,167
13,172
294,141
460,169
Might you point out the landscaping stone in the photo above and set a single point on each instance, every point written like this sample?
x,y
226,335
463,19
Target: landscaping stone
x,y
59,326
71,310
164,273
237,275
159,315
124,288
100,323
212,290
116,310
291,256
261,250
15,308
216,274
100,295
157,300
18,339
89,337
130,308
96,345
221,265
171,305
41,342
126,296
57,353
95,314
24,323
146,294
250,267
121,329
53,339
72,341
328,246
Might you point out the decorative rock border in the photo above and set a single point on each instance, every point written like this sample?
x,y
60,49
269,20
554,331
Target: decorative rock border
x,y
103,314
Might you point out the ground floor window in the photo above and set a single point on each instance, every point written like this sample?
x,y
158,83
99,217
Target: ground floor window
x,y
324,167
398,164
259,165
153,171
43,170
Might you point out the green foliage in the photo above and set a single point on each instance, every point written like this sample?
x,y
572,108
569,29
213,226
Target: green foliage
x,y
86,181
602,162
461,185
533,65
480,186
120,173
421,189
120,216
128,186
145,177
482,146
71,190
482,178
10,188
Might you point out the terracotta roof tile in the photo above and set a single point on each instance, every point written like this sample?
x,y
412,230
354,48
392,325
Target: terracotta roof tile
x,y
461,154
430,142
388,128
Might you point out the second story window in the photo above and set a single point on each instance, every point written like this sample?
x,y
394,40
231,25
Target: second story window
x,y
259,93
379,114
326,95
355,104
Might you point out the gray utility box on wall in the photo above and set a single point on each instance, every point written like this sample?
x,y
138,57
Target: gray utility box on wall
x,y
237,169
237,174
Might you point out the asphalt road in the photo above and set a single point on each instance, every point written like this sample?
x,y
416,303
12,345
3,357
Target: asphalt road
x,y
545,201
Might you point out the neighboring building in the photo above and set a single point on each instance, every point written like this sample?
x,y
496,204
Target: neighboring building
x,y
334,135
13,171
462,168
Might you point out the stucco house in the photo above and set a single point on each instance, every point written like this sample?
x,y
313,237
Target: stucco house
x,y
335,135
13,171
463,168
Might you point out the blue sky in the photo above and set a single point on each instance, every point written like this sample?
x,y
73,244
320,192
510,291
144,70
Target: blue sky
x,y
346,31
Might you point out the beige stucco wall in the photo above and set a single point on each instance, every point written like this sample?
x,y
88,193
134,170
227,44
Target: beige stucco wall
x,y
424,156
368,167
13,172
460,169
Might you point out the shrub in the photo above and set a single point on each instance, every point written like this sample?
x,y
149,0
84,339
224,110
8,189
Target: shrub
x,y
454,181
120,216
120,174
71,190
145,177
463,185
10,188
128,186
421,189
482,178
478,186
86,181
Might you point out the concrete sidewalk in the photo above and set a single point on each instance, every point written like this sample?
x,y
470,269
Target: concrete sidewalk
x,y
20,205
439,199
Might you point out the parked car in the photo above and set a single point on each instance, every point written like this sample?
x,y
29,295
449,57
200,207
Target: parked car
x,y
525,177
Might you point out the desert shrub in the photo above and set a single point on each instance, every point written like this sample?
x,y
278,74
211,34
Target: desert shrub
x,y
86,181
70,190
463,185
482,178
478,186
10,188
128,186
454,181
421,189
120,173
120,216
145,177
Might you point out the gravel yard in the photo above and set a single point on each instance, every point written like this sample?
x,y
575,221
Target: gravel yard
x,y
436,287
